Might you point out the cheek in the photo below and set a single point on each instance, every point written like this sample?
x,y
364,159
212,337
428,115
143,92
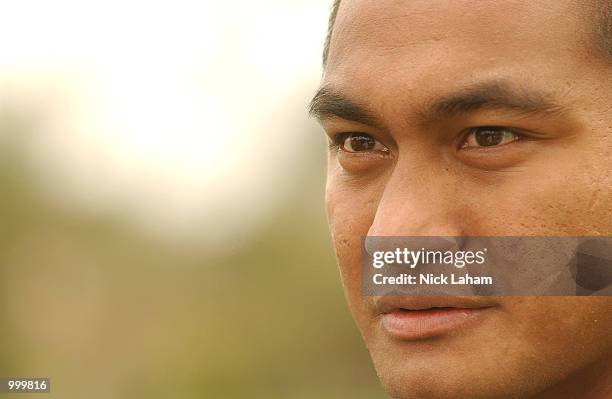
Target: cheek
x,y
350,210
575,195
351,205
580,209
572,197
565,332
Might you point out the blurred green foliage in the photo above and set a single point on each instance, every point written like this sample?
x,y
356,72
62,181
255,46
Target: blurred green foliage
x,y
107,312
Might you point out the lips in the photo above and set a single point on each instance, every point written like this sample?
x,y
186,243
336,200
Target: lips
x,y
413,318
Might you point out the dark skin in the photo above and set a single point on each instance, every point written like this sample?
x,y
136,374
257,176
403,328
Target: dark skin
x,y
456,117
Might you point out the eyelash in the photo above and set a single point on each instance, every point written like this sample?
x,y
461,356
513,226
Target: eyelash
x,y
465,136
336,142
339,139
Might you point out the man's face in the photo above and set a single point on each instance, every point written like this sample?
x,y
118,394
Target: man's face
x,y
484,118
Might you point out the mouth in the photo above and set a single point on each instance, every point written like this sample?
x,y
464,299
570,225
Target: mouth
x,y
414,318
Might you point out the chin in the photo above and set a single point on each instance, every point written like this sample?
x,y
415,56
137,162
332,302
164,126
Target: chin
x,y
409,382
453,366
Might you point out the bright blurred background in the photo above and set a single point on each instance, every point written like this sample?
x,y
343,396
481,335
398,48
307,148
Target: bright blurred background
x,y
162,224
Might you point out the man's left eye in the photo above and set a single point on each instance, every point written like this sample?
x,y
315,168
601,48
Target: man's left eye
x,y
490,136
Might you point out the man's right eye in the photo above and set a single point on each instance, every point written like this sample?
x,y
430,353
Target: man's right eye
x,y
359,142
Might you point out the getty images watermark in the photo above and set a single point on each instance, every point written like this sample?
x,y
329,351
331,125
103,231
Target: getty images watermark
x,y
487,266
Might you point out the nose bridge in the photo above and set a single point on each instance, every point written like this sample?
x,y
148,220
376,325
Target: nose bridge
x,y
417,201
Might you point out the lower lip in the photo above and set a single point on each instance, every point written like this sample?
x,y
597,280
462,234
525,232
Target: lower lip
x,y
419,324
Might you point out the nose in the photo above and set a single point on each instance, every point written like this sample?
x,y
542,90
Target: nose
x,y
421,202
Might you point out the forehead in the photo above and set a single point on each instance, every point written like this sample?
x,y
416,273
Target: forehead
x,y
441,41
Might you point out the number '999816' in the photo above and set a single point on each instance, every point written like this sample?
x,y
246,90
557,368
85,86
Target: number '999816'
x,y
29,385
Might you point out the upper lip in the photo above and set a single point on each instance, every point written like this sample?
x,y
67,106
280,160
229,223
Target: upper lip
x,y
388,304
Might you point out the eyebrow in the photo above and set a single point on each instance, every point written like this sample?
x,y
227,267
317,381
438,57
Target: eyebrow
x,y
495,95
329,103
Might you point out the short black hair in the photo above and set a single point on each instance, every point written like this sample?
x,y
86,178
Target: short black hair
x,y
603,23
330,29
602,16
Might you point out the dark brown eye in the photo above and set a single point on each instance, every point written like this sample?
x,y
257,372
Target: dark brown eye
x,y
489,137
360,142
